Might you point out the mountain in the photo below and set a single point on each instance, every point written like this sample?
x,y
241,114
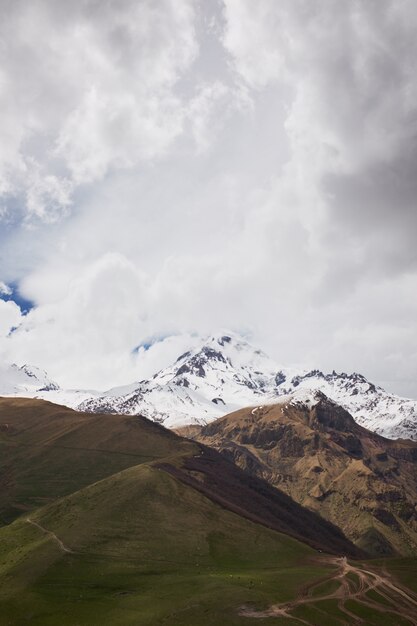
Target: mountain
x,y
225,373
29,381
115,519
311,448
222,374
15,380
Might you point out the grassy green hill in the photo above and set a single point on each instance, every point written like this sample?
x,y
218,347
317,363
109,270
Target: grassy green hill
x,y
144,547
175,536
49,451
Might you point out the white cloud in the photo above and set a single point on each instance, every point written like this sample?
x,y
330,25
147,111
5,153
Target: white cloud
x,y
48,197
349,67
86,88
10,317
5,290
162,353
206,112
256,37
258,175
89,334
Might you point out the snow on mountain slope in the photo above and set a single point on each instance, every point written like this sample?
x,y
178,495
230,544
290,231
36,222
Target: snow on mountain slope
x,y
32,382
222,374
370,405
15,380
225,373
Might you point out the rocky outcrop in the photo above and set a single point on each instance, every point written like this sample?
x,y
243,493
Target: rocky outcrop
x,y
318,454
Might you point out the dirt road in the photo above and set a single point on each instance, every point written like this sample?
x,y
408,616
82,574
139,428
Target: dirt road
x,y
354,584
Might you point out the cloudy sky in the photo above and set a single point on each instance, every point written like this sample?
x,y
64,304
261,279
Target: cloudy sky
x,y
179,166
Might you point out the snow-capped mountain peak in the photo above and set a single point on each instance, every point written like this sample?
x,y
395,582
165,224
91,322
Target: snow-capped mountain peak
x,y
217,362
224,372
219,374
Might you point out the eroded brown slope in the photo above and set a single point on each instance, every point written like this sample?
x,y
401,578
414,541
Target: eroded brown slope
x,y
363,483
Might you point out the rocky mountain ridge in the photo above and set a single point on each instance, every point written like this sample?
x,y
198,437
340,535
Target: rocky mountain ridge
x,y
316,453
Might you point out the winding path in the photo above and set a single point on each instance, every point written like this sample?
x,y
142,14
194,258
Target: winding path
x,y
51,535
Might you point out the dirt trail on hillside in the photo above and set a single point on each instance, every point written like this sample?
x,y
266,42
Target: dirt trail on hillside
x,y
51,535
354,583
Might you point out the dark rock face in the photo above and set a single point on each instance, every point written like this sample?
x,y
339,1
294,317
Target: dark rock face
x,y
386,518
329,415
280,378
223,340
351,444
390,496
183,356
195,365
406,454
349,382
264,438
194,368
50,387
376,543
182,382
210,354
291,445
212,429
407,511
246,383
244,459
313,374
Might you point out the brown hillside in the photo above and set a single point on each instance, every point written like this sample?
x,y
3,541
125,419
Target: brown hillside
x,y
363,483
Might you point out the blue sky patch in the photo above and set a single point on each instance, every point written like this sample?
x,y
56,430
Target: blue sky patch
x,y
15,296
